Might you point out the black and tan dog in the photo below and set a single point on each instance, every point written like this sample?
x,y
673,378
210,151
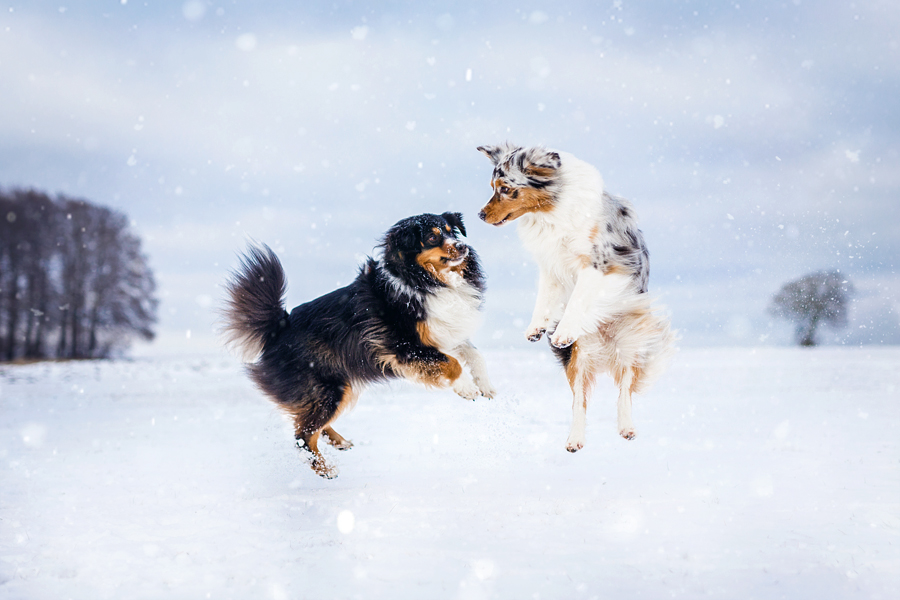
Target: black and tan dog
x,y
409,313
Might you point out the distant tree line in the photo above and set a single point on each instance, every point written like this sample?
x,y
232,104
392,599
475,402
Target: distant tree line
x,y
73,280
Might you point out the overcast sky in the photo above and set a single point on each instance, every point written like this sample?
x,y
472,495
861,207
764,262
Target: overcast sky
x,y
758,142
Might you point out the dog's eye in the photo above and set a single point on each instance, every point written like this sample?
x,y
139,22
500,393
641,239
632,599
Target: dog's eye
x,y
432,239
504,190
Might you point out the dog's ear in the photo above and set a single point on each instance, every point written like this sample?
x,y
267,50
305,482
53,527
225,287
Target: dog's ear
x,y
554,159
454,219
401,242
409,237
541,159
541,165
493,152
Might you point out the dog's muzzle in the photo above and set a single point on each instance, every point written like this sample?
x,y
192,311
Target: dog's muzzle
x,y
459,252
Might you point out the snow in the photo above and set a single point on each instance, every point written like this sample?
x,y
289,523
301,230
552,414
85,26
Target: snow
x,y
756,473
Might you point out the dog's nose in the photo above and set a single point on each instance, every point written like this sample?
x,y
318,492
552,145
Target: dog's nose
x,y
481,215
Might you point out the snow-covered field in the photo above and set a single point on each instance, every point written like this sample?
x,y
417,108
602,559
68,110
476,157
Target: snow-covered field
x,y
766,473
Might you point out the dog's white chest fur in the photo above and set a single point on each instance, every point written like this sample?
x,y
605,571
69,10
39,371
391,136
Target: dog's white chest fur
x,y
453,313
553,246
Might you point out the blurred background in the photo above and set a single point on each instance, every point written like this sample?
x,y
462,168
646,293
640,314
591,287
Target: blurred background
x,y
758,141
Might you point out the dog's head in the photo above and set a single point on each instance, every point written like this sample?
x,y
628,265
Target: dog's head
x,y
523,181
427,243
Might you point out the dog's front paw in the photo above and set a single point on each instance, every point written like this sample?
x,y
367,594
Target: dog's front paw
x,y
466,388
534,333
562,339
487,390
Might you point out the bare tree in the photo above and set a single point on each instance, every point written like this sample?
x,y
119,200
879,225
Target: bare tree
x,y
122,301
9,276
73,280
36,213
816,299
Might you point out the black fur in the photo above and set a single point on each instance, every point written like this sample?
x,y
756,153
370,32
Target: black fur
x,y
255,312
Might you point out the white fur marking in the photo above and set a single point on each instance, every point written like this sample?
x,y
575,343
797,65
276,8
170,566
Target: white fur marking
x,y
470,355
396,283
453,313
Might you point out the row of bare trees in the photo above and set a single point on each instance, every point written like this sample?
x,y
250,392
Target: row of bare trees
x,y
73,280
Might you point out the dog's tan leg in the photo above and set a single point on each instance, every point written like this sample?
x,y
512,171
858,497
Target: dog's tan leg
x,y
316,460
309,443
348,401
625,383
336,439
580,374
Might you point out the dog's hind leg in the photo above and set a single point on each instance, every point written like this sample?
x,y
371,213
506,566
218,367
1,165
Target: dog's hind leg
x,y
351,394
322,404
310,443
579,371
335,439
625,379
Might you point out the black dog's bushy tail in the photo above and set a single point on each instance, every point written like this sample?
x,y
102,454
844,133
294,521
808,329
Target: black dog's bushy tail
x,y
254,308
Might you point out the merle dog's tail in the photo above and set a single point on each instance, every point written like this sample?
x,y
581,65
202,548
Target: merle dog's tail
x,y
254,307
